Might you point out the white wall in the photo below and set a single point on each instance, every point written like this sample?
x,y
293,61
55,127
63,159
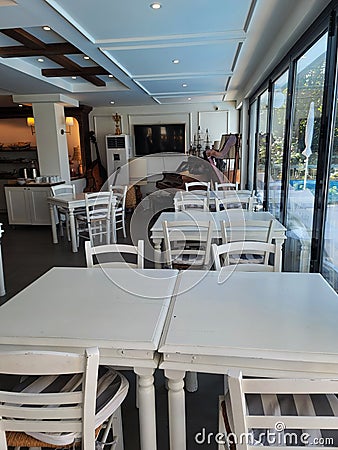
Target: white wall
x,y
192,115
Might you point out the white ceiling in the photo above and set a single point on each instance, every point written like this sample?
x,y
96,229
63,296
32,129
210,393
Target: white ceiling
x,y
221,44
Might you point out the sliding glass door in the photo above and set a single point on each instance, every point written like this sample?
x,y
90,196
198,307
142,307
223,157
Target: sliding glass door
x,y
330,249
307,110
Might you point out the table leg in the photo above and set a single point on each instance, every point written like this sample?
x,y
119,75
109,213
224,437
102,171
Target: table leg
x,y
157,253
146,404
278,255
53,223
2,280
72,230
176,405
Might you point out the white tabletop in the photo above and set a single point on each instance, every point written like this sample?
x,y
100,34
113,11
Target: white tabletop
x,y
231,216
68,200
256,317
77,307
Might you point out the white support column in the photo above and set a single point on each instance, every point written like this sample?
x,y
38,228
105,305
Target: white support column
x,y
49,116
245,147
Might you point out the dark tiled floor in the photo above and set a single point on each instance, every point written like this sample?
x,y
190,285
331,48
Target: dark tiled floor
x,y
28,252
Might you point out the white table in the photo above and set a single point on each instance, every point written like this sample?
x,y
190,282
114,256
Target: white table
x,y
237,217
266,324
122,311
71,203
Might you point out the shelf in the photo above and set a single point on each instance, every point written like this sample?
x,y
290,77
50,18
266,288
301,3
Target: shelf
x,y
17,149
15,161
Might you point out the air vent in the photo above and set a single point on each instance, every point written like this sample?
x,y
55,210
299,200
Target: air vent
x,y
115,142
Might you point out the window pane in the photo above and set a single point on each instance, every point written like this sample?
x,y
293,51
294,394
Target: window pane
x,y
330,250
262,130
279,98
304,153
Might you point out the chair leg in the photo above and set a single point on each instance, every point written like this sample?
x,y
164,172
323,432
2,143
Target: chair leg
x,y
60,226
68,228
124,226
191,381
115,440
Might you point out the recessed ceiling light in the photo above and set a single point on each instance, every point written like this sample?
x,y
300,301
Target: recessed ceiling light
x,y
86,57
156,5
46,28
41,60
184,85
175,61
74,78
112,103
111,76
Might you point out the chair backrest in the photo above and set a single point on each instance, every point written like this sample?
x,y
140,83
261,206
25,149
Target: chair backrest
x,y
68,402
197,185
112,255
120,193
248,256
187,200
187,243
99,206
233,202
63,189
226,186
251,230
271,412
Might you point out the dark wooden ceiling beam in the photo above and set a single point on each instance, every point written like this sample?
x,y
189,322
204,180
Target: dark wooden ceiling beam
x,y
19,51
32,42
72,66
72,73
24,38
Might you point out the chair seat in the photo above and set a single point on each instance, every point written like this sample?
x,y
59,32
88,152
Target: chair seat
x,y
246,259
112,388
312,405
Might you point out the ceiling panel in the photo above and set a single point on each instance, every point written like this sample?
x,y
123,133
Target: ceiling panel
x,y
199,58
132,18
169,100
209,84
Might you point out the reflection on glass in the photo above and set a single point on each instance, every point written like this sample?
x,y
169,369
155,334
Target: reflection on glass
x,y
308,101
330,250
280,88
262,130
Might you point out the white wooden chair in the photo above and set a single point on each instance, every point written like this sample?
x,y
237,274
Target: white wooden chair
x,y
56,399
98,219
197,185
251,230
184,248
112,255
119,210
249,256
226,186
234,202
283,413
63,216
189,201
